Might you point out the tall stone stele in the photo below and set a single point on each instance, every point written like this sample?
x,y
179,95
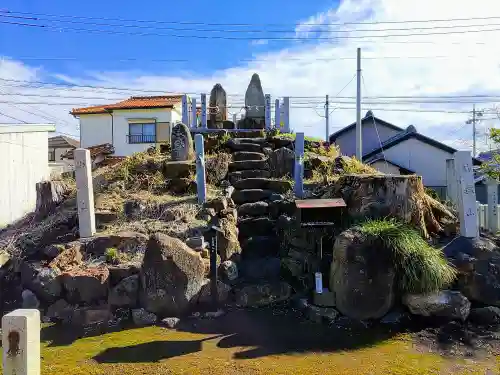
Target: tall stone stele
x,y
255,102
182,143
217,99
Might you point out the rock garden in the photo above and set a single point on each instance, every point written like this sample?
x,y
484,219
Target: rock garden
x,y
394,259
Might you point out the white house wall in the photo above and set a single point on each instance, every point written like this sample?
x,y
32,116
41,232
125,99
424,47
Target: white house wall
x,y
426,160
96,129
23,163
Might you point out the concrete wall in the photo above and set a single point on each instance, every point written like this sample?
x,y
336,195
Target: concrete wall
x,y
426,160
23,163
347,140
101,128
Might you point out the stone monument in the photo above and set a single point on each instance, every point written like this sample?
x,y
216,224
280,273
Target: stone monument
x,y
182,143
255,102
217,99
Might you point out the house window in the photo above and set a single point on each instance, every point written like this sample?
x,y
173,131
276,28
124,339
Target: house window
x,y
142,133
52,155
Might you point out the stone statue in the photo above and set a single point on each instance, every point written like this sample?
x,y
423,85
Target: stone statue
x,y
182,143
217,99
255,101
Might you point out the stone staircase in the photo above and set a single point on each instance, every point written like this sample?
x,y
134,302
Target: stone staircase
x,y
260,201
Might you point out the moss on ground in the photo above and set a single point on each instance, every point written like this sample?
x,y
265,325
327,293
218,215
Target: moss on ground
x,y
155,350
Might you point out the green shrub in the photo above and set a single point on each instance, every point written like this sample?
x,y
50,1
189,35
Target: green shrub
x,y
420,268
111,255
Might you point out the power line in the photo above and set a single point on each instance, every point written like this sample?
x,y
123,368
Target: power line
x,y
70,86
121,25
12,117
250,24
219,37
131,59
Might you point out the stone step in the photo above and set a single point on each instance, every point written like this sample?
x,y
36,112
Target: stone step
x,y
248,165
239,175
248,156
250,195
251,227
257,140
236,145
279,186
259,208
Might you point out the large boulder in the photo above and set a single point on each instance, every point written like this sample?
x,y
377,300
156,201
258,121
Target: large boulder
x,y
362,277
254,209
86,285
205,295
125,293
479,279
281,163
446,303
227,238
489,315
171,276
127,242
68,258
217,167
45,282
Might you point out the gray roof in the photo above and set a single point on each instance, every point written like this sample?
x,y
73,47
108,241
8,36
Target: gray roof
x,y
61,141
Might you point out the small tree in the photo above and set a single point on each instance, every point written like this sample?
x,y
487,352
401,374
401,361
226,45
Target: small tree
x,y
492,167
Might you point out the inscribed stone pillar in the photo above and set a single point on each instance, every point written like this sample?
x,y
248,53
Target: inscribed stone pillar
x,y
21,342
182,143
84,193
255,101
217,99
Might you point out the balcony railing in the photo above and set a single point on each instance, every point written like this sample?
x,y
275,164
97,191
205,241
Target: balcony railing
x,y
141,138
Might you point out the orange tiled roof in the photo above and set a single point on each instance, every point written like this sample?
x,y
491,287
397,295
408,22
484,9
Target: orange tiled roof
x,y
134,102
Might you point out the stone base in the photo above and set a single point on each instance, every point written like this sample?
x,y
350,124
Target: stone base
x,y
325,299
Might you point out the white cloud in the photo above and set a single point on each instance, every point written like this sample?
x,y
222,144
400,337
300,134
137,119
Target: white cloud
x,y
306,71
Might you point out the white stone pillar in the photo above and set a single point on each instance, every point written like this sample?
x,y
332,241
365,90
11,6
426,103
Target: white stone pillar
x,y
451,183
466,194
492,187
21,342
84,192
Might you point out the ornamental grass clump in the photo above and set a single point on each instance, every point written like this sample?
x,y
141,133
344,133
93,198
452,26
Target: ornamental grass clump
x,y
420,268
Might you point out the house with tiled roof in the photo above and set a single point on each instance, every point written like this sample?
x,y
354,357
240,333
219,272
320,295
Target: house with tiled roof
x,y
131,125
398,151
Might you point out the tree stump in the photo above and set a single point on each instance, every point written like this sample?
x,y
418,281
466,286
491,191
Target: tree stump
x,y
386,196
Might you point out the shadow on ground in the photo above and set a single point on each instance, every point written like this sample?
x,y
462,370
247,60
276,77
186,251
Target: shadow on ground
x,y
266,331
154,351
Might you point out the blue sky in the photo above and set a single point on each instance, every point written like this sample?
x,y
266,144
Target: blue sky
x,y
395,63
100,51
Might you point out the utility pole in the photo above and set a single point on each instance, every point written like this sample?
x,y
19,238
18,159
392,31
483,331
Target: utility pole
x,y
359,140
327,122
474,120
473,130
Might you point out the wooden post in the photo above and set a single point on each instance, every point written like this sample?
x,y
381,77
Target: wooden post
x,y
277,110
204,111
84,192
185,117
200,168
298,174
21,342
286,114
492,187
466,194
268,111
